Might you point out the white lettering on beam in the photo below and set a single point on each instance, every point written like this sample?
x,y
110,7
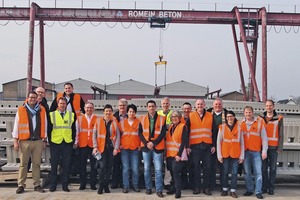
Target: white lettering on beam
x,y
161,14
170,14
141,13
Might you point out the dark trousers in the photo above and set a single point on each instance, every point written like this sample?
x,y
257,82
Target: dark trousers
x,y
201,152
269,167
117,171
60,154
105,167
214,166
184,176
86,153
175,170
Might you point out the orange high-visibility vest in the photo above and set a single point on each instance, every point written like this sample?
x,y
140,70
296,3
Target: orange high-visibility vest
x,y
130,138
160,120
231,141
101,132
85,136
23,126
252,138
76,102
173,142
201,129
273,131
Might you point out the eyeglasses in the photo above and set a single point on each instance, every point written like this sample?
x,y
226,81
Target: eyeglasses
x,y
229,116
174,116
122,105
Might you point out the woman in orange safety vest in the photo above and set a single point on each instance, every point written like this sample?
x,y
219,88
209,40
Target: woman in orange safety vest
x,y
130,144
176,141
230,151
106,142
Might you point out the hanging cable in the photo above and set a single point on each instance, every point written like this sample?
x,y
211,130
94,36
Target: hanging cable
x,y
50,25
4,23
95,24
296,31
287,30
277,30
126,27
64,25
20,24
161,47
79,24
111,26
139,27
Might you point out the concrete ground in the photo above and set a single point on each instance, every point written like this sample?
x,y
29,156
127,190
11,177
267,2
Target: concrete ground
x,y
284,191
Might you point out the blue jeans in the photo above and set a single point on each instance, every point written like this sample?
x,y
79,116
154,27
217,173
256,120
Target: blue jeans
x,y
158,165
130,160
229,163
270,176
253,161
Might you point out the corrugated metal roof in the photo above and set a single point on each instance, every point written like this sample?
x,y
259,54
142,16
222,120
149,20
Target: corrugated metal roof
x,y
81,86
130,87
182,88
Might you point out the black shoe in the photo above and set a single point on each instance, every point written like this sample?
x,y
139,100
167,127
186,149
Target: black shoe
x,y
271,192
39,189
167,187
100,190
264,191
106,189
148,191
114,186
224,193
207,191
20,190
178,194
52,188
160,194
248,194
171,191
125,190
93,187
136,189
196,191
82,187
66,189
259,196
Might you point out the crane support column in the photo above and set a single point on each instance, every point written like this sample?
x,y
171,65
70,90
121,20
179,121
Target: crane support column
x,y
30,47
264,54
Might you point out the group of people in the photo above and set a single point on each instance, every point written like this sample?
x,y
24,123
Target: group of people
x,y
193,144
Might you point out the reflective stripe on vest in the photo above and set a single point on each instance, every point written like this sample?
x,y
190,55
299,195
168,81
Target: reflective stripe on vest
x,y
272,132
157,132
173,142
252,139
61,132
201,129
23,126
231,147
101,133
86,133
130,139
75,103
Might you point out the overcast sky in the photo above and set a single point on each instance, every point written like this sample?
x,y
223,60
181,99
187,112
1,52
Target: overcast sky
x,y
200,54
